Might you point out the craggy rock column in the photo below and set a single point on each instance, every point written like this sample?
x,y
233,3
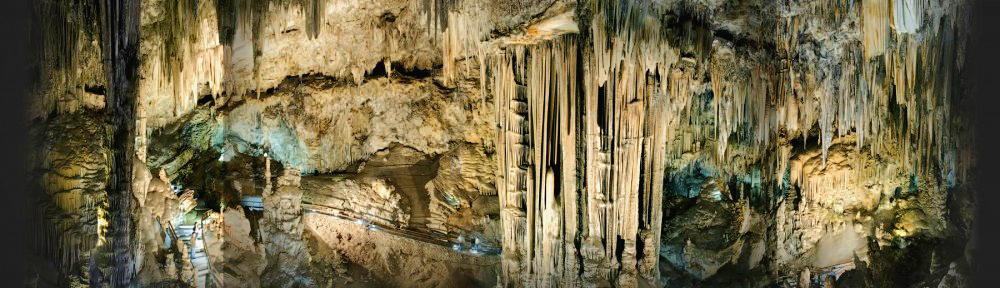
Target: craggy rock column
x,y
121,43
655,152
282,227
510,173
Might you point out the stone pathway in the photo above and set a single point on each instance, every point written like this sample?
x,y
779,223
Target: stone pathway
x,y
190,233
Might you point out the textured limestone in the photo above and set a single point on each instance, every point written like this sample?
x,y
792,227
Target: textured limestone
x,y
70,173
372,199
323,129
398,261
228,49
835,121
234,256
287,257
157,238
464,177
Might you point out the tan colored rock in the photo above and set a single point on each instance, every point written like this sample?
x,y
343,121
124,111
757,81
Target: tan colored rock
x,y
234,257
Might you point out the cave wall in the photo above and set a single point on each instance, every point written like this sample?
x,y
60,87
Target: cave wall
x,y
598,130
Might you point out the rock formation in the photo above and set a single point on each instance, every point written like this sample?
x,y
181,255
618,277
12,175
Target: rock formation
x,y
512,143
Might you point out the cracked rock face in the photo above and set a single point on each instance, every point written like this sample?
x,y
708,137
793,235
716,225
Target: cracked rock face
x,y
324,127
418,143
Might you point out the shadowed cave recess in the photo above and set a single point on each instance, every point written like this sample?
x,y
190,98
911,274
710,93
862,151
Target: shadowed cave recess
x,y
510,143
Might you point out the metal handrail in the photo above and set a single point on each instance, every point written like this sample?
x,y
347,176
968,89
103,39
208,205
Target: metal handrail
x,y
432,237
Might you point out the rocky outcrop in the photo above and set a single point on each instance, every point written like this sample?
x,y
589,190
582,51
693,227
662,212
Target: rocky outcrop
x,y
316,124
235,258
156,235
465,177
371,199
287,257
392,260
181,146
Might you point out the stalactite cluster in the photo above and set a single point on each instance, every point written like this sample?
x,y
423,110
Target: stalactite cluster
x,y
606,203
69,58
640,103
588,137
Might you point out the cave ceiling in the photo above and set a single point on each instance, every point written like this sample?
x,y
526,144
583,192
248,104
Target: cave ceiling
x,y
509,143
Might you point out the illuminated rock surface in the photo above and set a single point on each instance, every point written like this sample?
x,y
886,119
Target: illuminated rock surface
x,y
511,143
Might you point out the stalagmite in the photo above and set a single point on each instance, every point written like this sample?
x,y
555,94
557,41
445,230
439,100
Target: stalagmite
x,y
620,130
267,175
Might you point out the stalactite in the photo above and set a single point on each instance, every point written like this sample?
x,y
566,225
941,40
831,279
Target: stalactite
x,y
436,12
534,110
67,58
452,48
461,41
642,106
314,9
875,26
190,57
907,15
754,100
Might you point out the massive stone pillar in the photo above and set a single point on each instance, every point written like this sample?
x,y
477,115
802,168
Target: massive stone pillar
x,y
121,47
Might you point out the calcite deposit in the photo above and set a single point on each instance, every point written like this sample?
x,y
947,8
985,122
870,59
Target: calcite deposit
x,y
511,143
